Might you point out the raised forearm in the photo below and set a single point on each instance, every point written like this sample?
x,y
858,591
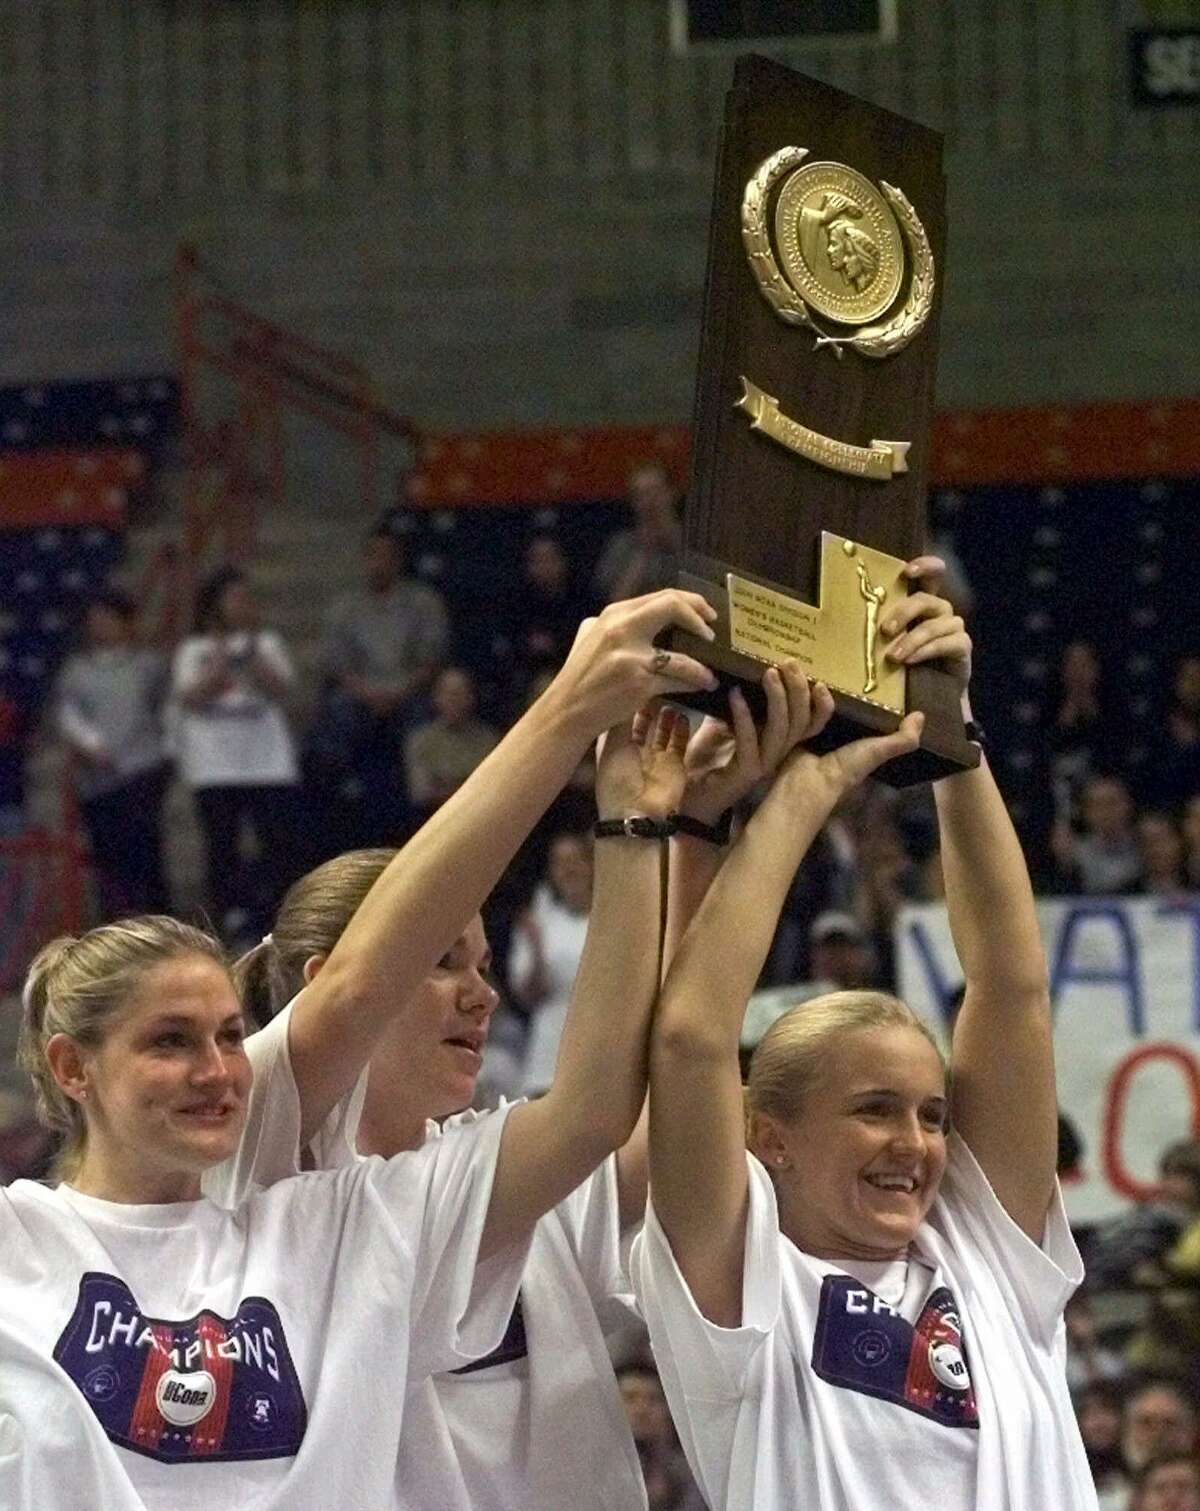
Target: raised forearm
x,y
600,1077
727,942
989,898
693,867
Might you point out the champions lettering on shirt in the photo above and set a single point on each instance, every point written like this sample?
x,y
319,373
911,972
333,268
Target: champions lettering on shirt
x,y
863,1344
207,1388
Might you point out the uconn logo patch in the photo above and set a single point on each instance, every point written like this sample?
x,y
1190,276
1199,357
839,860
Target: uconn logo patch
x,y
212,1387
865,1345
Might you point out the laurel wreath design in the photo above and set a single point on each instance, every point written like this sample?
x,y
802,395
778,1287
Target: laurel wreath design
x,y
881,340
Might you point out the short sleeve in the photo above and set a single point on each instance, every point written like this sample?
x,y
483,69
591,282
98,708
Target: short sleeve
x,y
1039,1278
710,1362
591,1222
460,1307
270,1144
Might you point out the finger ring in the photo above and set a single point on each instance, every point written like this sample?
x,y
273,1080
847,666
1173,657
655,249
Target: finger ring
x,y
660,661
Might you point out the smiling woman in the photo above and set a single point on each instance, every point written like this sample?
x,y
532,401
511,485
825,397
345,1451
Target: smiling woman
x,y
118,1074
187,1330
868,1315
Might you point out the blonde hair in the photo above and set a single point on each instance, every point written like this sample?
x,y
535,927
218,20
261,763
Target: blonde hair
x,y
76,985
787,1063
311,919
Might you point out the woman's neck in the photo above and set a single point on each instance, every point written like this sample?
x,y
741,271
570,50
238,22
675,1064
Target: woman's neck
x,y
114,1179
391,1118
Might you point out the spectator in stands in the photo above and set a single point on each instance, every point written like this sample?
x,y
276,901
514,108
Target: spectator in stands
x,y
1143,1235
1079,732
645,557
842,959
669,1485
1161,846
1191,842
545,611
1099,1408
1088,1358
442,753
232,679
546,945
1169,1482
383,646
1105,857
109,711
1160,1417
1177,764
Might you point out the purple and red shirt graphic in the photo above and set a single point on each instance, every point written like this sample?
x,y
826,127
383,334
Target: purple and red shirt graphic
x,y
208,1388
864,1344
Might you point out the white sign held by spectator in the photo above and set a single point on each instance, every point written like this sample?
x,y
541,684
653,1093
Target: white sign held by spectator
x,y
1125,984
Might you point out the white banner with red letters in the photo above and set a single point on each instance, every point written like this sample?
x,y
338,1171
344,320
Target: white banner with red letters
x,y
1125,986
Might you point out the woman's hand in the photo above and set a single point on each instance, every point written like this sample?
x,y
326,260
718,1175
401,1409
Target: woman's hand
x,y
639,767
836,772
615,668
924,627
726,761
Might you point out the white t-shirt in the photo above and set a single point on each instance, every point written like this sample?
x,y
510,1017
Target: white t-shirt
x,y
54,1455
950,1393
241,738
261,1357
537,1425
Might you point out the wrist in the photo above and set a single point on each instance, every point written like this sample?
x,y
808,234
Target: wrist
x,y
562,714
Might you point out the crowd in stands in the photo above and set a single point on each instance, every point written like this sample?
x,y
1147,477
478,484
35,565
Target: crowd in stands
x,y
400,719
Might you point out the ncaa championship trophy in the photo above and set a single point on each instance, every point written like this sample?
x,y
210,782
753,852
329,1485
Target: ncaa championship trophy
x,y
819,340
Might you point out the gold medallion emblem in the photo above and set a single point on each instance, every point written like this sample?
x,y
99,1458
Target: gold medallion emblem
x,y
838,242
840,253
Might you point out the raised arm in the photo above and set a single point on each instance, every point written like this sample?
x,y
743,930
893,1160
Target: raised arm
x,y
428,894
724,762
697,1138
1003,1099
550,1145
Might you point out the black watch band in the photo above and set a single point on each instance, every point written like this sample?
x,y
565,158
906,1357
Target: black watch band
x,y
638,826
715,834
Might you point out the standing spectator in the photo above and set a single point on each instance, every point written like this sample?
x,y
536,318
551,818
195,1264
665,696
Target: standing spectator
x,y
1079,731
546,945
441,754
1160,1417
647,556
383,645
236,752
1105,857
1177,767
1161,846
546,610
109,705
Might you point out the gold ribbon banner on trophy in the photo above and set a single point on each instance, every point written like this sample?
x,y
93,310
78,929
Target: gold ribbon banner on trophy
x,y
881,460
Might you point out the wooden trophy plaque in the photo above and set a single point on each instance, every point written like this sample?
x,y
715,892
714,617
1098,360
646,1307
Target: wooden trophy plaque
x,y
814,404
